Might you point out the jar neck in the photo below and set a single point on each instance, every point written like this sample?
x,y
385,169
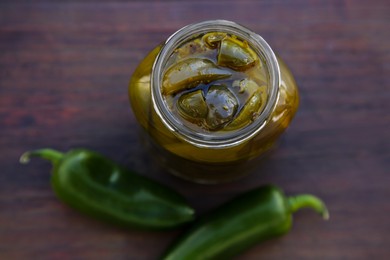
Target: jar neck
x,y
218,139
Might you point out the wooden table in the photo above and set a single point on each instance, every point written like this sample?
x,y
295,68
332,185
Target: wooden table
x,y
64,71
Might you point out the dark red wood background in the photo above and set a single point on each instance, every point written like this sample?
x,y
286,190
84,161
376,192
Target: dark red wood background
x,y
64,71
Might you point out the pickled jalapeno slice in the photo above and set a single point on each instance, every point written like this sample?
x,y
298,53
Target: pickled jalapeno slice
x,y
213,39
192,106
248,113
245,86
190,72
236,54
222,106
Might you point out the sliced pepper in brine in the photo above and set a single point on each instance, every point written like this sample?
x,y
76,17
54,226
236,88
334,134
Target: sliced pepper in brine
x,y
191,72
214,38
248,113
222,106
236,54
245,87
192,106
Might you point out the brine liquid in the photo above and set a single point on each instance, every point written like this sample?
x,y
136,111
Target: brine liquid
x,y
219,117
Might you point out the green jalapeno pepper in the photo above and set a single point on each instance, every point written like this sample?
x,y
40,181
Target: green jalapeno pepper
x,y
246,220
95,185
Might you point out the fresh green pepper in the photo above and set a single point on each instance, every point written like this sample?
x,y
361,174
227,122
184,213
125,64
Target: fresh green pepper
x,y
95,185
248,219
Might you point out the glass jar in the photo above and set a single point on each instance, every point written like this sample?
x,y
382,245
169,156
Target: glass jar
x,y
210,156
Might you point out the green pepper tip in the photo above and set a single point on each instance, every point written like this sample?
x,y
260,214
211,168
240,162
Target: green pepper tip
x,y
45,153
325,214
308,201
25,158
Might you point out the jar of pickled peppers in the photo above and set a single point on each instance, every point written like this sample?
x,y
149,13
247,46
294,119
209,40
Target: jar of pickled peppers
x,y
211,99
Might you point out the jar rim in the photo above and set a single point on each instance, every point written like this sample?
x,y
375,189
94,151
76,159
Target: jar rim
x,y
214,139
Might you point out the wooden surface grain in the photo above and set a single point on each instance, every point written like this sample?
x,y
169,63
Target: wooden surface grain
x,y
64,71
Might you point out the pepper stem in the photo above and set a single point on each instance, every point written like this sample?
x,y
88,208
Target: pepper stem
x,y
46,153
308,201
